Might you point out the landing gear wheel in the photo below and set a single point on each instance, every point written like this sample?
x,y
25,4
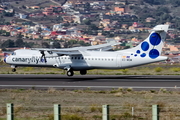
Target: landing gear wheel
x,y
83,72
70,73
13,70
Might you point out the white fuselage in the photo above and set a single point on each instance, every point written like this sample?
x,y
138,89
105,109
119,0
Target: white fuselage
x,y
88,60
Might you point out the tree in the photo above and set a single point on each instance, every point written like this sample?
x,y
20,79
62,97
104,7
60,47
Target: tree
x,y
175,3
56,44
45,45
87,22
29,45
87,6
66,24
156,2
82,43
19,43
8,43
93,27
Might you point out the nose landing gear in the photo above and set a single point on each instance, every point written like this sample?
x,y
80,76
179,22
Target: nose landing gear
x,y
13,68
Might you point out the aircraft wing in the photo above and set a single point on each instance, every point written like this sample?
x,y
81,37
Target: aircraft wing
x,y
80,50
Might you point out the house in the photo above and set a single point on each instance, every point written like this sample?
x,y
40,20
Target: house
x,y
98,38
34,7
119,10
36,36
172,48
27,35
143,29
120,3
136,24
22,16
46,37
48,11
97,42
1,10
77,19
14,33
56,8
105,22
134,39
107,29
7,28
68,18
150,19
111,13
9,10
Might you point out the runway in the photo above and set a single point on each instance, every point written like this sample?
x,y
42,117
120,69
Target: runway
x,y
94,82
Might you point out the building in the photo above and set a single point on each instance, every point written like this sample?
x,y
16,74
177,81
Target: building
x,y
48,11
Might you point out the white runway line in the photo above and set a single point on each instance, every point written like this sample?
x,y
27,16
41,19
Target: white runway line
x,y
53,86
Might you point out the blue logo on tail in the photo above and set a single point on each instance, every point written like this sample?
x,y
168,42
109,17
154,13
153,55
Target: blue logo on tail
x,y
154,40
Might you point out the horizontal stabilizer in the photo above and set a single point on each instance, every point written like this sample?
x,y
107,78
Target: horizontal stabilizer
x,y
160,28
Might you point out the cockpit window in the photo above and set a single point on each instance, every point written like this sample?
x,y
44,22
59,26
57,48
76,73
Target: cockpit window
x,y
13,53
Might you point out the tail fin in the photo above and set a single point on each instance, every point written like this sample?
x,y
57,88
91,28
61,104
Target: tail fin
x,y
151,46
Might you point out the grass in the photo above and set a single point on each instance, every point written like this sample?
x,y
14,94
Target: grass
x,y
151,69
87,105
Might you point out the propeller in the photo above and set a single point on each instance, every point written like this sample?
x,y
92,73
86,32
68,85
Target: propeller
x,y
43,56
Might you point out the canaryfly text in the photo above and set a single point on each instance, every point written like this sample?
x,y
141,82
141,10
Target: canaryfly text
x,y
35,60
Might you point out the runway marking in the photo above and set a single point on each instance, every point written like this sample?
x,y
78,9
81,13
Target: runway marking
x,y
52,86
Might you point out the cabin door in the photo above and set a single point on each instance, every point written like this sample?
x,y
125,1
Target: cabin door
x,y
118,60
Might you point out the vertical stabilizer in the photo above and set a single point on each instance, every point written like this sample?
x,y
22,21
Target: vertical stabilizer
x,y
151,46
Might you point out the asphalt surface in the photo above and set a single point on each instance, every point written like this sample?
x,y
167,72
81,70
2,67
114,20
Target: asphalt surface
x,y
95,82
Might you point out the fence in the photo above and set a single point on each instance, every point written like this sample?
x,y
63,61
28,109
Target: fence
x,y
105,112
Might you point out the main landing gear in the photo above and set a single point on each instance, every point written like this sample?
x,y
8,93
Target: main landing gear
x,y
70,71
83,72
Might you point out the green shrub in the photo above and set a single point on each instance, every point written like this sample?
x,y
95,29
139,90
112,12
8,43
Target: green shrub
x,y
158,69
94,108
129,89
97,117
27,69
175,69
125,71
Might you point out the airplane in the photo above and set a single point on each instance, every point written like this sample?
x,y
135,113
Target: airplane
x,y
84,58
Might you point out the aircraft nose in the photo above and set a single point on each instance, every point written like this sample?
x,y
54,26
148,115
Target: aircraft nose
x,y
5,59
